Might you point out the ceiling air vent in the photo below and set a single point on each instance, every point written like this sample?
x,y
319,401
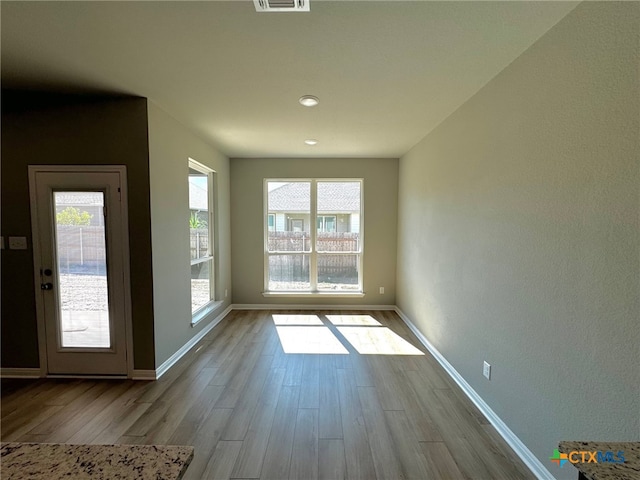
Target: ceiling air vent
x,y
281,5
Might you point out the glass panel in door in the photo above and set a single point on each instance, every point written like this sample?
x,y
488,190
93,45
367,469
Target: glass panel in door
x,y
80,249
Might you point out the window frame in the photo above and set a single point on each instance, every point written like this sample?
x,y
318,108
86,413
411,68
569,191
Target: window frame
x,y
202,310
313,232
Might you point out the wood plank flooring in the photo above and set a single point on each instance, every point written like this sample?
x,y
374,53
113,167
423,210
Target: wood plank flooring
x,y
254,409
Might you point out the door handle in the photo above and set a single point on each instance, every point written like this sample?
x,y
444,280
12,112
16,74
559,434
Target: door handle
x,y
46,286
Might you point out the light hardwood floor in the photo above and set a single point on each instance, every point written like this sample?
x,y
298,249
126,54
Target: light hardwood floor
x,y
382,409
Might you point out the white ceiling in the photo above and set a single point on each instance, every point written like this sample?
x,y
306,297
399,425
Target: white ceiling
x,y
386,72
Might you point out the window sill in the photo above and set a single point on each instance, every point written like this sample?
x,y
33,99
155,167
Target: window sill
x,y
204,312
313,294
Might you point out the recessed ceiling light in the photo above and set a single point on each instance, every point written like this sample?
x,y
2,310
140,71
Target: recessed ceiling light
x,y
311,141
309,100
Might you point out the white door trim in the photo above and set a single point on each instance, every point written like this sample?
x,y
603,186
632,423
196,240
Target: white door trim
x,y
122,170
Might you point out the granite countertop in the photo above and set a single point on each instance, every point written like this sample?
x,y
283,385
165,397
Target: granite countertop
x,y
49,461
613,469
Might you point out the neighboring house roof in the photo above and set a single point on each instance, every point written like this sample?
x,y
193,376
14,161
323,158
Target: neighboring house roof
x,y
334,197
197,197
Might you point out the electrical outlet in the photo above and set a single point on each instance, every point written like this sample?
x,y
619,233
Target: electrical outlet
x,y
18,243
226,293
486,370
381,290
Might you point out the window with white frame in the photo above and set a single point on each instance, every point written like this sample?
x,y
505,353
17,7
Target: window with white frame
x,y
299,258
201,239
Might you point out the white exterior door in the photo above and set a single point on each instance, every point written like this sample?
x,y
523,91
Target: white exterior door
x,y
80,249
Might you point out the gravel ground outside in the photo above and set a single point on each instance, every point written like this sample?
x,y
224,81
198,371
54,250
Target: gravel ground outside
x,y
84,302
83,292
199,293
89,292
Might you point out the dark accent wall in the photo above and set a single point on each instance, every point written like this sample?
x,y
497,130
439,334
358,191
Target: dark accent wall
x,y
43,129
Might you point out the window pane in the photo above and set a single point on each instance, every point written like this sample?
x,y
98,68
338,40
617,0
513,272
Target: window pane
x,y
289,242
82,269
199,241
289,272
290,205
329,224
296,224
199,214
338,272
200,284
339,209
338,242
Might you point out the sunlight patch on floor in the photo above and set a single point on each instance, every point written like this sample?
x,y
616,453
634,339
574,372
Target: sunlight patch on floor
x,y
377,341
300,333
353,320
309,339
296,320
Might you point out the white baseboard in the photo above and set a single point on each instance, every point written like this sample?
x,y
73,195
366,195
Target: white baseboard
x,y
284,306
162,369
20,373
529,459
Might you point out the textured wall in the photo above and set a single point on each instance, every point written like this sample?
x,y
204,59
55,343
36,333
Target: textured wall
x,y
380,188
170,147
519,235
71,130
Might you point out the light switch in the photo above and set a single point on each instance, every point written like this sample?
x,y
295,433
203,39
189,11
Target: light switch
x,y
17,243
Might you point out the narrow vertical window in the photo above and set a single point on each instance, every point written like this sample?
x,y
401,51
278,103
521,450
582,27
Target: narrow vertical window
x,y
201,238
300,258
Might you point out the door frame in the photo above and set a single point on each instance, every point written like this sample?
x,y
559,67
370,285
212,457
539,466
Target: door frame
x,y
35,238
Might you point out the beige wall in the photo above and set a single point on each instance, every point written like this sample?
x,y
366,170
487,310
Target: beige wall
x,y
519,235
170,147
70,130
380,189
